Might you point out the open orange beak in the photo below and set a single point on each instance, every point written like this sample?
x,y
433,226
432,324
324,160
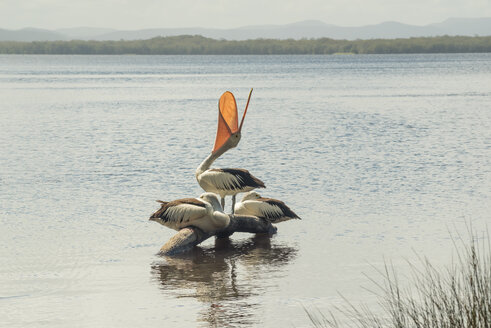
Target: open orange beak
x,y
228,118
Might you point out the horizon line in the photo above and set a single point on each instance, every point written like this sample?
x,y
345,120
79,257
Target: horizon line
x,y
239,27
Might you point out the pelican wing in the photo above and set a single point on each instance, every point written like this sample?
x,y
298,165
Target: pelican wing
x,y
282,206
263,210
271,209
219,180
230,179
181,211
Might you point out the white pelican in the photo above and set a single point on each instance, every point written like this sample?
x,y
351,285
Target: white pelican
x,y
226,181
204,212
271,210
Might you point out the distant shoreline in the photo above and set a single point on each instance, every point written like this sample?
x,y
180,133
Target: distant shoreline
x,y
199,45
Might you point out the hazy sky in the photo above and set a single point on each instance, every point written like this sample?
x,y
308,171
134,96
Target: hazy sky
x,y
137,14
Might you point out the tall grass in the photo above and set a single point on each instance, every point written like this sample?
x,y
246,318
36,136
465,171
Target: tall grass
x,y
457,296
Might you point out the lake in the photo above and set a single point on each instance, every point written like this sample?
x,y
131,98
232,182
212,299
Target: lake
x,y
385,157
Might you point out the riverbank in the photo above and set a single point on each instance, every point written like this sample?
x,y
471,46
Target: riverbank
x,y
198,45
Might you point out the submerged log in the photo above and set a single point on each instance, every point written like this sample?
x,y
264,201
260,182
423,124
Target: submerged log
x,y
189,237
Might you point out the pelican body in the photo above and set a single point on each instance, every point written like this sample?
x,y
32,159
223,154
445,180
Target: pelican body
x,y
270,209
228,181
204,213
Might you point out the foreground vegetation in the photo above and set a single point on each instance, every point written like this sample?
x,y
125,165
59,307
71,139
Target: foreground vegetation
x,y
459,296
198,45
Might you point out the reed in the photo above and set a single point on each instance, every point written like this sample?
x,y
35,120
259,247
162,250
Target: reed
x,y
456,296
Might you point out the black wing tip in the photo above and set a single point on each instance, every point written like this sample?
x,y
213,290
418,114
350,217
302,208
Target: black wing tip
x,y
293,214
259,183
159,212
287,211
156,215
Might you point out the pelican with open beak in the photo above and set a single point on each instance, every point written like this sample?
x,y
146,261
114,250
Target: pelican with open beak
x,y
228,181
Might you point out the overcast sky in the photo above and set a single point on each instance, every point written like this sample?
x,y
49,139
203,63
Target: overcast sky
x,y
138,14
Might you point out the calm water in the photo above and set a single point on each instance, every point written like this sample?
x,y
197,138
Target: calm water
x,y
381,156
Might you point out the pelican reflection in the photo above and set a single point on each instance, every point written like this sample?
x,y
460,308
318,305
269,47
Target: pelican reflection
x,y
224,277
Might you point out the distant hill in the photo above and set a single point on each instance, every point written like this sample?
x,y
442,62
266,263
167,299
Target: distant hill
x,y
83,33
299,30
465,26
31,34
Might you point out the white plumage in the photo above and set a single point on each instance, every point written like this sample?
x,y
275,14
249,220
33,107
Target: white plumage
x,y
226,181
219,182
204,213
270,209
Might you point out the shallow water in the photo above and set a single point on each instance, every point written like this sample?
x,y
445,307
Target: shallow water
x,y
380,155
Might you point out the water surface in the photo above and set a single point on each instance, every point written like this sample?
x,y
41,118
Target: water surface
x,y
380,155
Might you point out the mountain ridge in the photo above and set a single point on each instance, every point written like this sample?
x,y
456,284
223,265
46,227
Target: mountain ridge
x,y
309,29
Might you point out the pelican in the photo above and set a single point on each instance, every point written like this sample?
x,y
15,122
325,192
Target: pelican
x,y
227,181
271,210
204,212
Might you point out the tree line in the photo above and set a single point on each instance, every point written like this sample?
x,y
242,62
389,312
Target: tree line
x,y
199,45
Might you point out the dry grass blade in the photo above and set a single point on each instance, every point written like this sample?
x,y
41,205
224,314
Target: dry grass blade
x,y
456,296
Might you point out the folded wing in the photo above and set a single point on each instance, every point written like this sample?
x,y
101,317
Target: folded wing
x,y
180,212
270,209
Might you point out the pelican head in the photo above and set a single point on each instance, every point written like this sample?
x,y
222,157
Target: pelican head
x,y
219,220
229,130
212,199
233,140
251,195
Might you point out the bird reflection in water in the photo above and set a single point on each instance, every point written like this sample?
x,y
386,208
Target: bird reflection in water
x,y
225,277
